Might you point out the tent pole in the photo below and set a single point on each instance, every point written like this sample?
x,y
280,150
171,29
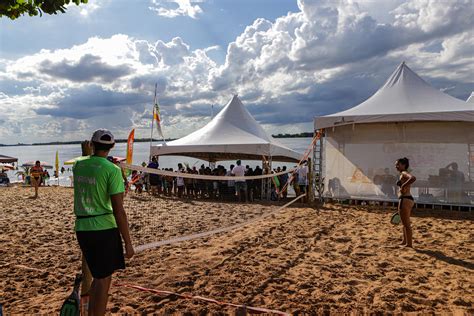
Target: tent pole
x,y
152,122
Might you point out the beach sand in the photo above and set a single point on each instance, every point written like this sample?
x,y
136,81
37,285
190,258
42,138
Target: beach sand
x,y
301,260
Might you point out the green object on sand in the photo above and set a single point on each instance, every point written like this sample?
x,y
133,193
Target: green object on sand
x,y
72,306
395,220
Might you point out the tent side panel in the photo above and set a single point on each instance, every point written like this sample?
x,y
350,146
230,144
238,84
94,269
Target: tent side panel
x,y
359,161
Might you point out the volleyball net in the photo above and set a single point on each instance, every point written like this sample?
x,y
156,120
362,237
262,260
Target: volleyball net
x,y
166,206
187,205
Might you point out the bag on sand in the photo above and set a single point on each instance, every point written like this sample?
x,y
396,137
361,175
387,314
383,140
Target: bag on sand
x,y
71,306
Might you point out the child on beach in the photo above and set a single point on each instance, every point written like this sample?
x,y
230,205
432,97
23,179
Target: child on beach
x,y
36,176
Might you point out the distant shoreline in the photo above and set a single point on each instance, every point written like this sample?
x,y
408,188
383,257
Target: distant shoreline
x,y
142,140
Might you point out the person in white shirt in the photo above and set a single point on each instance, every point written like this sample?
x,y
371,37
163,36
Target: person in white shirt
x,y
239,171
230,183
180,181
303,178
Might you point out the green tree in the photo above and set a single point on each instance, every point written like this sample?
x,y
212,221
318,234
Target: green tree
x,y
14,8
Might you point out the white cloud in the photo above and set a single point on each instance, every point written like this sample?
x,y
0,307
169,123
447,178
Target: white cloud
x,y
175,8
328,56
86,10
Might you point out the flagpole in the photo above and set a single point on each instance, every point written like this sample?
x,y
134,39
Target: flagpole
x,y
161,130
152,121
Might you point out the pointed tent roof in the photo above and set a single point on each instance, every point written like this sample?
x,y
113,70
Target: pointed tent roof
x,y
232,134
471,98
404,97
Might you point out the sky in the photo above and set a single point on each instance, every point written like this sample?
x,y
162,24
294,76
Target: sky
x,y
65,75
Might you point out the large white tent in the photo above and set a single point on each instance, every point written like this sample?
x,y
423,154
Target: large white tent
x,y
232,134
406,117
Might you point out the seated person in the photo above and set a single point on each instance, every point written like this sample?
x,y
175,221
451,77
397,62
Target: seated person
x,y
4,178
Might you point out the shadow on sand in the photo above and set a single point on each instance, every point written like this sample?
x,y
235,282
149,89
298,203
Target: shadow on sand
x,y
441,256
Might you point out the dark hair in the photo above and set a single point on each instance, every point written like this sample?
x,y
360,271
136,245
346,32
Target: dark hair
x,y
37,161
404,161
100,146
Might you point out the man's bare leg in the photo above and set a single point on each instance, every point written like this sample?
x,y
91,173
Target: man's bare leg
x,y
99,296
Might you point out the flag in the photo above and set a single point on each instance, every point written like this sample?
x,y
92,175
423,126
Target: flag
x,y
129,155
157,117
56,165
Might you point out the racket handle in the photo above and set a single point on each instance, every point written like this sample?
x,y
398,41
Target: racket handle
x,y
85,305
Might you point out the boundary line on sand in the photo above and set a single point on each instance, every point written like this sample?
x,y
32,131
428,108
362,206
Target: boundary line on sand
x,y
248,309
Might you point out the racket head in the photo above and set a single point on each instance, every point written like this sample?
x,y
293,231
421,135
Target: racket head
x,y
395,219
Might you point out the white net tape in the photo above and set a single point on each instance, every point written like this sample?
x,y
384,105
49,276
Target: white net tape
x,y
199,176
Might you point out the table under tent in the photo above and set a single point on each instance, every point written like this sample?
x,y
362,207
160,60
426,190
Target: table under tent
x,y
232,134
406,117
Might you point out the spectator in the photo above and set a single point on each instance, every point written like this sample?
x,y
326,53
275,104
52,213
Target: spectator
x,y
240,185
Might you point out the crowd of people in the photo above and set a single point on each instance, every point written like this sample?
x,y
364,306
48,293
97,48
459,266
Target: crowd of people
x,y
225,190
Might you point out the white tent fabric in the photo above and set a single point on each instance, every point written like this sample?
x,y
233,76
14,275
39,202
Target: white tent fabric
x,y
405,97
232,134
471,98
404,118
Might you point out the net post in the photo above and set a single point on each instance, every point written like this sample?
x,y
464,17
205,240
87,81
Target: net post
x,y
310,197
317,165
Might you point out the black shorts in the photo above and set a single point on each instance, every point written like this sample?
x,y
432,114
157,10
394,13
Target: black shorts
x,y
155,181
103,251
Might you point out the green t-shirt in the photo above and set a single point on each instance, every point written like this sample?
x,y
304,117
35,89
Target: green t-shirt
x,y
95,180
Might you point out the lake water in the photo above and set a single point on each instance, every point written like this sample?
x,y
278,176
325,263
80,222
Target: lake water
x,y
140,153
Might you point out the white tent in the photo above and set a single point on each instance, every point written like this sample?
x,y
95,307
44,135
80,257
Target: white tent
x,y
232,134
404,97
471,98
406,117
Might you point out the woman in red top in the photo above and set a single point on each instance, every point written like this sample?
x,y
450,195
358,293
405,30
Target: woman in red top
x,y
36,174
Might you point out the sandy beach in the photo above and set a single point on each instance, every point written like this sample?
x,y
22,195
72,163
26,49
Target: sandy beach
x,y
301,260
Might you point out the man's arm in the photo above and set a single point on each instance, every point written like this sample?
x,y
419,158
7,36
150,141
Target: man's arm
x,y
122,223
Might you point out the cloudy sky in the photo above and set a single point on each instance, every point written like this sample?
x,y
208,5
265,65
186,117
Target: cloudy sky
x,y
63,76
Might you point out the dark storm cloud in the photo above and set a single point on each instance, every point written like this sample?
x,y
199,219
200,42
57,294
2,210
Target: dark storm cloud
x,y
88,68
93,101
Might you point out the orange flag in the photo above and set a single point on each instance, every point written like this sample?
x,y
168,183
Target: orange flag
x,y
130,140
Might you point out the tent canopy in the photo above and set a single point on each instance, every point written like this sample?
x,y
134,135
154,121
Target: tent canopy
x,y
7,159
404,97
232,134
471,98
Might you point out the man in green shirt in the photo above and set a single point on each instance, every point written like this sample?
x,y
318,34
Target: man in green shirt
x,y
101,221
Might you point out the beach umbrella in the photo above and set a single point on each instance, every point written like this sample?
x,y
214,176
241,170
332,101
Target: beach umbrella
x,y
73,160
43,164
7,167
